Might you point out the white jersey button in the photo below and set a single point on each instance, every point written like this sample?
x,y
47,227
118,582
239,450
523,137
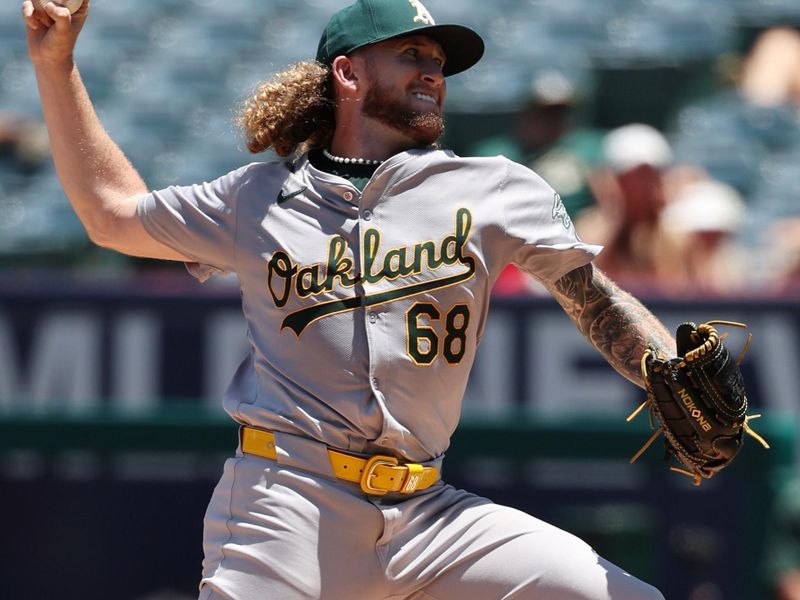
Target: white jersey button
x,y
373,318
348,196
367,215
375,382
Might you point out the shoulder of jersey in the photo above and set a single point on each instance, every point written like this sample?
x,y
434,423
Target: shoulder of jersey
x,y
448,156
268,177
503,169
272,168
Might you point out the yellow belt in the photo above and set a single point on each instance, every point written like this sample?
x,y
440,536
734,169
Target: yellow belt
x,y
376,475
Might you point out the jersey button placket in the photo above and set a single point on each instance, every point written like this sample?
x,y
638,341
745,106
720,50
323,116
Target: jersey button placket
x,y
373,333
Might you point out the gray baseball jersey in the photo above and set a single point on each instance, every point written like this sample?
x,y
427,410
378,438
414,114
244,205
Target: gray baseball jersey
x,y
365,310
364,313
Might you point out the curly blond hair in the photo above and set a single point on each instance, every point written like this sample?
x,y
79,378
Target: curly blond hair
x,y
292,110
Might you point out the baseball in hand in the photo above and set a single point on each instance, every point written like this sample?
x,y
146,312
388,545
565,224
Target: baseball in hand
x,y
72,5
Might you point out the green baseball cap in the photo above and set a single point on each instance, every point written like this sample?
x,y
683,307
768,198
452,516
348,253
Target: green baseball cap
x,y
371,21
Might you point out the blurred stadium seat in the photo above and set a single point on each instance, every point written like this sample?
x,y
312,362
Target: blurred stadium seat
x,y
776,192
774,201
166,75
37,220
731,137
763,13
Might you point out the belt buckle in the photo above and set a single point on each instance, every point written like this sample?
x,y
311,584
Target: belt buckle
x,y
369,471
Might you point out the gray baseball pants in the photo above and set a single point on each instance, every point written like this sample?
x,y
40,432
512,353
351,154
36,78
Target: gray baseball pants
x,y
288,530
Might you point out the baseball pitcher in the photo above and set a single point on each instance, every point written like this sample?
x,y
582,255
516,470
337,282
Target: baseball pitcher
x,y
365,256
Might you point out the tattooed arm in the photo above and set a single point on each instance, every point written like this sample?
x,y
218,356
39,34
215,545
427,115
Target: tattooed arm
x,y
617,324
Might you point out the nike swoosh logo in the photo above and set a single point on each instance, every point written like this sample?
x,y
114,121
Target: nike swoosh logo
x,y
284,197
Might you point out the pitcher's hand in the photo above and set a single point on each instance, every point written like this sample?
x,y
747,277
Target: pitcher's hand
x,y
52,34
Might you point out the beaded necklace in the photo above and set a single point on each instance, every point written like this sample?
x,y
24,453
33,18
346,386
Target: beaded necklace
x,y
350,161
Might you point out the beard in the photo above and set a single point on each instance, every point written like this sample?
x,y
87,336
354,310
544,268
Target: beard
x,y
425,128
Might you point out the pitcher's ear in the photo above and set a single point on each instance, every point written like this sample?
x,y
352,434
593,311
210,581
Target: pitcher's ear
x,y
345,74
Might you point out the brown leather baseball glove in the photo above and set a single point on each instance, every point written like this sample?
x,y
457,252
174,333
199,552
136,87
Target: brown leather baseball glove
x,y
698,400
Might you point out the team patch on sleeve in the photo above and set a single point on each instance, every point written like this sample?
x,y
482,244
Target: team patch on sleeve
x,y
560,212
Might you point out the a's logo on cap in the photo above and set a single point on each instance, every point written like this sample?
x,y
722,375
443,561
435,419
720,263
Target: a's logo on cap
x,y
423,16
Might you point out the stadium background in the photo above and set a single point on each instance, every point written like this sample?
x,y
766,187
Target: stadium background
x,y
111,369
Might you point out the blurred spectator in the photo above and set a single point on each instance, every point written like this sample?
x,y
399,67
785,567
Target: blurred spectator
x,y
783,256
771,70
752,114
770,82
704,219
23,142
626,219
